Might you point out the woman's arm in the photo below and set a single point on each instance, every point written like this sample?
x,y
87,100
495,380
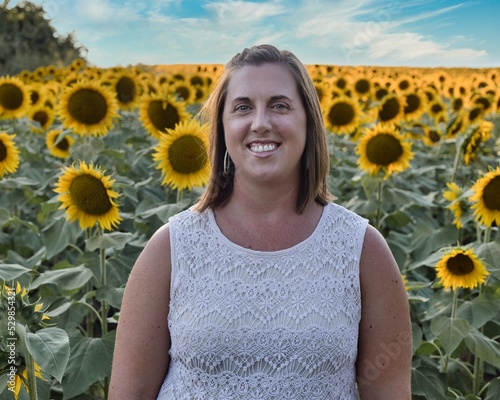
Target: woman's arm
x,y
385,346
140,360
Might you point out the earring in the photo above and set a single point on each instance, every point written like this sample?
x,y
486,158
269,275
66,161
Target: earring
x,y
227,163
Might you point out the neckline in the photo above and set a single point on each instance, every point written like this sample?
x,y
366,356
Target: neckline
x,y
311,237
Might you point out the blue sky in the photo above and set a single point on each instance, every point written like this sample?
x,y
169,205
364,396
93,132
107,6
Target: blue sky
x,y
420,33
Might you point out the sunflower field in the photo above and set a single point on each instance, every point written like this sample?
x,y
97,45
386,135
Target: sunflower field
x,y
93,161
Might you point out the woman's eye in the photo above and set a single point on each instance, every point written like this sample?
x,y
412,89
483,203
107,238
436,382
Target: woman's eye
x,y
281,106
242,107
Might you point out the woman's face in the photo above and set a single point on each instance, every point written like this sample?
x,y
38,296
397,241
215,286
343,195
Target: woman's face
x,y
264,124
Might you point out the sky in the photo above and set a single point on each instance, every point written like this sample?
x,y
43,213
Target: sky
x,y
418,33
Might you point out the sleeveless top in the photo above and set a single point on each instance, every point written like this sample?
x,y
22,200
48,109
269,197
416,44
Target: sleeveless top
x,y
247,324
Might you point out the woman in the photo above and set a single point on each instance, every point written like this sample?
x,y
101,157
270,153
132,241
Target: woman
x,y
271,290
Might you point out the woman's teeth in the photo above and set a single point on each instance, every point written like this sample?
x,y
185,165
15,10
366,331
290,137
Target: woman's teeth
x,y
263,148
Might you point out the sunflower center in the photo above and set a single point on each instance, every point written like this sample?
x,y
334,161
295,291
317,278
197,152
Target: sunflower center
x,y
381,93
3,151
162,117
341,114
491,194
384,149
63,144
389,109
90,195
404,84
125,90
41,117
34,97
475,113
460,265
412,103
87,106
187,154
434,136
362,86
183,92
11,97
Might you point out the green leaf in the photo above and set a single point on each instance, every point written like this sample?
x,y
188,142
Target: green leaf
x,y
67,279
480,310
397,219
90,361
490,254
8,272
4,216
450,331
429,383
110,295
49,347
483,347
493,392
164,211
59,235
114,240
428,239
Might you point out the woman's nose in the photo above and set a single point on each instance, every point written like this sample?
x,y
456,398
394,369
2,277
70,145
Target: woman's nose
x,y
261,122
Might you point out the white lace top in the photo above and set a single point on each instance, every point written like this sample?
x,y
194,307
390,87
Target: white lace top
x,y
247,324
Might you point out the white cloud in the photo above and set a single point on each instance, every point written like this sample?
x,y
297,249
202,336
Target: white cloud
x,y
325,31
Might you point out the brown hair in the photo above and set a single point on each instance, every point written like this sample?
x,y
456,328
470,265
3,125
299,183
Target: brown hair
x,y
315,160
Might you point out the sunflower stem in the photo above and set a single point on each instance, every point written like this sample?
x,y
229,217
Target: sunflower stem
x,y
30,363
104,305
379,204
180,195
478,362
453,314
455,163
487,235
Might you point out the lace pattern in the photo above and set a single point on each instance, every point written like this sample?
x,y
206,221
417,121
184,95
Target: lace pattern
x,y
247,324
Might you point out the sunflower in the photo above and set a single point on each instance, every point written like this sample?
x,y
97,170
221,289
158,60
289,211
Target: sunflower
x,y
182,156
342,114
363,87
9,154
183,91
460,268
402,84
88,108
159,113
486,198
415,104
438,110
86,194
391,108
43,117
126,86
14,97
58,147
383,148
474,139
457,125
453,195
432,136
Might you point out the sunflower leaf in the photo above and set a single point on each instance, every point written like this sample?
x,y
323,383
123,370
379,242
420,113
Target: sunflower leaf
x,y
67,279
49,347
9,272
89,362
450,332
490,254
483,347
115,240
429,383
